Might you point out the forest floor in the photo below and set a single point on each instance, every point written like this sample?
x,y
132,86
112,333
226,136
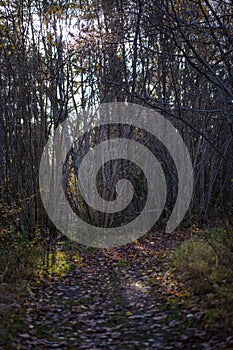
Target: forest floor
x,y
119,298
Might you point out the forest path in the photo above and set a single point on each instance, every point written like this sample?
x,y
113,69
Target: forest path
x,y
120,298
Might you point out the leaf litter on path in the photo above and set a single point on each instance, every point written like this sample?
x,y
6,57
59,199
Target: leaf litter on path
x,y
119,298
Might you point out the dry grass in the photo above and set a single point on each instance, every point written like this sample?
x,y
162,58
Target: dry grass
x,y
204,266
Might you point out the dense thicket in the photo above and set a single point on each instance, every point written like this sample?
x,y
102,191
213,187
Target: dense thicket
x,y
59,57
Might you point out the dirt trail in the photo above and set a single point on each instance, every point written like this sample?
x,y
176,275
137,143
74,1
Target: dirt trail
x,y
112,299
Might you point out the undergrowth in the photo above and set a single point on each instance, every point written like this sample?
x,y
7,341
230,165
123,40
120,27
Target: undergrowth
x,y
204,265
26,260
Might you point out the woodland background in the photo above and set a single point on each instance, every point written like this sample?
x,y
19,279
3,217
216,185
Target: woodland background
x,y
163,291
60,57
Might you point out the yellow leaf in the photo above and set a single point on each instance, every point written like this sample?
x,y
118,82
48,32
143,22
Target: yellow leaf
x,y
128,313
